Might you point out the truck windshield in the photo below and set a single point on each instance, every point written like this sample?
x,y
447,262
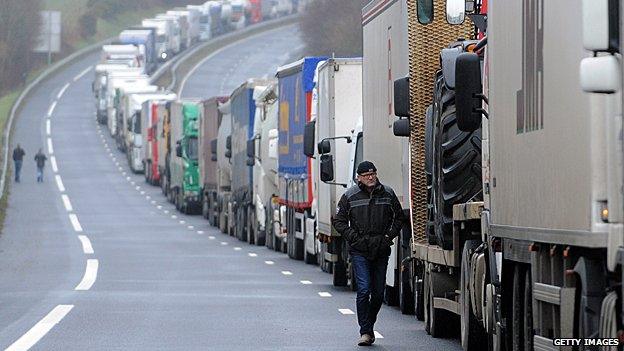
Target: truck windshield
x,y
192,148
359,154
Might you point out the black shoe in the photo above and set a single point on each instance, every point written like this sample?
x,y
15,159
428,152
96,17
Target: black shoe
x,y
366,340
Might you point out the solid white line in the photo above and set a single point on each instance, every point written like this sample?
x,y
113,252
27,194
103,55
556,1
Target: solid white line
x,y
82,73
345,311
40,329
324,294
50,148
74,221
90,275
251,254
58,96
53,163
305,282
286,272
51,109
48,127
378,335
67,203
59,183
269,262
86,245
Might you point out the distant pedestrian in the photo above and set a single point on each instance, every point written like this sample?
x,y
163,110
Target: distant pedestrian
x,y
40,159
18,158
369,216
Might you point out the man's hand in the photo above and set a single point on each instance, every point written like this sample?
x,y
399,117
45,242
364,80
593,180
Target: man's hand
x,y
388,241
360,243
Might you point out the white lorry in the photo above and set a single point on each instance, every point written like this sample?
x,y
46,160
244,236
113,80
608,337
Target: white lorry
x,y
133,109
205,25
116,79
126,88
182,26
192,20
224,171
99,88
331,137
262,153
164,36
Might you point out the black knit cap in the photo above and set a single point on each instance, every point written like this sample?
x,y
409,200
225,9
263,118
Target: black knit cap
x,y
366,166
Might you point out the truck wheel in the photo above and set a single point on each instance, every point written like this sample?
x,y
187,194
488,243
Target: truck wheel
x,y
309,258
472,334
249,226
406,296
438,322
517,311
419,299
456,163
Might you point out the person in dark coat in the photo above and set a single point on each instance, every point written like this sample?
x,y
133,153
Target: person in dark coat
x,y
40,159
369,216
18,158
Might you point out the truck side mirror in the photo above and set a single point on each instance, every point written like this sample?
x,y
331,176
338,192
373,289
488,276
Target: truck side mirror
x,y
213,146
327,168
251,148
308,139
401,97
468,91
324,147
178,149
401,127
251,162
228,142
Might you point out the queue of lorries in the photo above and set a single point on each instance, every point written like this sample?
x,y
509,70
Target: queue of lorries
x,y
511,175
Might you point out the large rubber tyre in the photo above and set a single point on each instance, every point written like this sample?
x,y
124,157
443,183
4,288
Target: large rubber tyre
x,y
439,320
472,334
406,295
456,163
517,310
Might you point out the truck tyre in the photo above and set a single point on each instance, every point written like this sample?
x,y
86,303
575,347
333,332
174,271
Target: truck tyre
x,y
517,311
456,163
309,258
472,334
419,296
406,296
438,322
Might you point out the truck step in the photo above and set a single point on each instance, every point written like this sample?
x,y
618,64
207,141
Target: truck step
x,y
541,343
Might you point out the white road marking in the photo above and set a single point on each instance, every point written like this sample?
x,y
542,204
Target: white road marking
x,y
142,193
74,221
200,232
138,188
153,202
211,237
148,197
324,294
305,282
224,243
269,262
90,275
182,222
190,227
166,211
345,311
48,127
128,178
58,96
53,163
51,109
59,183
174,216
378,335
81,74
40,329
159,207
286,272
238,248
251,254
50,148
86,244
132,182
67,203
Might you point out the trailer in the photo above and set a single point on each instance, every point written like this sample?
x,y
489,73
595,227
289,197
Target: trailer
x,y
99,88
205,25
164,37
145,40
215,10
336,123
124,109
224,171
208,129
296,82
183,27
190,20
114,81
152,116
174,40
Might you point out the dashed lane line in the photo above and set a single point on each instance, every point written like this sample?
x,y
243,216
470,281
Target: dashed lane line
x,y
211,237
51,109
378,335
324,294
345,311
40,329
58,96
270,263
75,223
287,273
90,275
305,282
59,183
238,248
53,163
252,254
67,203
224,243
87,248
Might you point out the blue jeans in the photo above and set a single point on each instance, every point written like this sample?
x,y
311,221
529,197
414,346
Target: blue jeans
x,y
370,277
18,169
40,174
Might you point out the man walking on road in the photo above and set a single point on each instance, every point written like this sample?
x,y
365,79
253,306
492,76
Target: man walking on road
x,y
369,216
18,158
40,159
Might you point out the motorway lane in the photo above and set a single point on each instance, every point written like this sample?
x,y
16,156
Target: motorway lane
x,y
163,282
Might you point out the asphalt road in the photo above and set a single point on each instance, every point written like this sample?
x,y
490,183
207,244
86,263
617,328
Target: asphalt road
x,y
99,260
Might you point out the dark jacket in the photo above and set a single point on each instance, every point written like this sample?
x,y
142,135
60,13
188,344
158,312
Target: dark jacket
x,y
369,221
18,154
40,159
